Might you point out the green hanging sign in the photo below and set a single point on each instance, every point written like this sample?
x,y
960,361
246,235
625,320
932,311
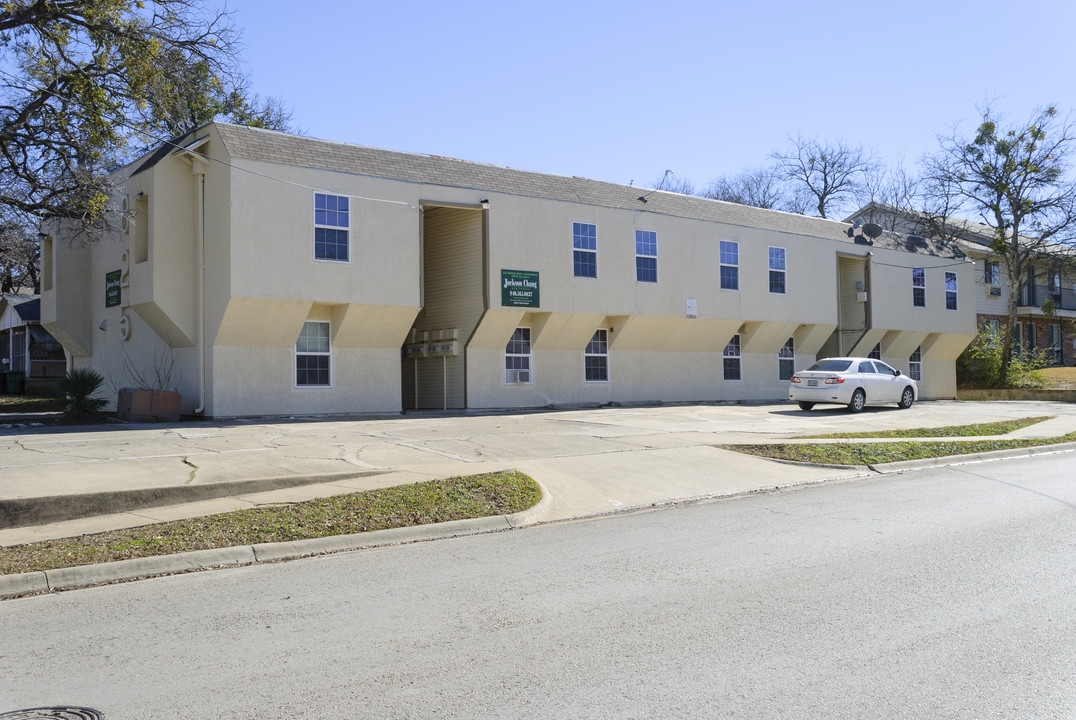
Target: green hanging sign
x,y
519,288
112,288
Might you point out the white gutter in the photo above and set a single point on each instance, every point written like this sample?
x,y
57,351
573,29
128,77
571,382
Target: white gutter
x,y
199,230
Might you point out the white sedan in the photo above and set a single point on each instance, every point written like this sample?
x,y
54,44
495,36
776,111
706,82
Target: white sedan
x,y
855,382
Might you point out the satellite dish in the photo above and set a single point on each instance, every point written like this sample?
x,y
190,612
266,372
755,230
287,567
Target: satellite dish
x,y
871,230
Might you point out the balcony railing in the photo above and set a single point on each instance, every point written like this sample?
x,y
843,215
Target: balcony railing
x,y
1035,295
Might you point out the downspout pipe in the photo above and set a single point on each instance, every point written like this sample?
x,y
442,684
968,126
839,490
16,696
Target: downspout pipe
x,y
199,230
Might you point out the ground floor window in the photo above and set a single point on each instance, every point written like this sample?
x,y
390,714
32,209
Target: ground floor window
x,y
786,360
730,360
312,354
1054,336
596,357
876,352
18,350
915,365
517,357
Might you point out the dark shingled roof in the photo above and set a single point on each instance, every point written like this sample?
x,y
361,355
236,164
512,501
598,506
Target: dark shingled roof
x,y
275,147
28,307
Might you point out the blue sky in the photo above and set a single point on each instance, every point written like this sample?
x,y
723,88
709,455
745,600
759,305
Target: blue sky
x,y
622,91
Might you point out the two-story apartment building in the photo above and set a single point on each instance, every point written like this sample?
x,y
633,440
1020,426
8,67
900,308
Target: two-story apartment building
x,y
262,273
1046,309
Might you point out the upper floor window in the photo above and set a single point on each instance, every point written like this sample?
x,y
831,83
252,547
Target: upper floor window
x,y
950,291
919,287
312,354
596,357
646,256
331,227
730,360
585,249
730,265
992,273
786,360
777,270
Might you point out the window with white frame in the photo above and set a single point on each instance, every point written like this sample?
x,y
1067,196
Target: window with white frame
x,y
950,291
786,360
585,250
730,360
312,355
596,357
18,350
517,357
646,256
992,272
993,330
331,227
777,270
1053,334
919,287
876,352
730,265
915,364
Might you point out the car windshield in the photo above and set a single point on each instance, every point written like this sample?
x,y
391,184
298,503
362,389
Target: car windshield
x,y
831,365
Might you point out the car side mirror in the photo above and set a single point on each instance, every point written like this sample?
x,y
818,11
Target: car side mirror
x,y
898,373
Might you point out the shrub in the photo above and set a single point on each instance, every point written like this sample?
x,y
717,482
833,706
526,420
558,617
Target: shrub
x,y
80,385
980,363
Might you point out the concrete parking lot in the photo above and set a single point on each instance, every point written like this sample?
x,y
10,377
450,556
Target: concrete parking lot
x,y
589,461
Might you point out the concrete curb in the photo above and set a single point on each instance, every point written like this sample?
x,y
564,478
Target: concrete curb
x,y
925,463
12,586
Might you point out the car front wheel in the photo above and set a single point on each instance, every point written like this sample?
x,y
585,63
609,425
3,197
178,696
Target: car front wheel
x,y
906,399
858,402
805,406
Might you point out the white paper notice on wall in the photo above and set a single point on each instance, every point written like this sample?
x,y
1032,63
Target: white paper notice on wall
x,y
692,308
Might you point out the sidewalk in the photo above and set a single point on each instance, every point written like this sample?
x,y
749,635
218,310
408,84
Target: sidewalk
x,y
63,482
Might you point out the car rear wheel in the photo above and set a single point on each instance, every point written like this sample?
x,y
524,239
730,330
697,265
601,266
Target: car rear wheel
x,y
906,399
859,401
805,406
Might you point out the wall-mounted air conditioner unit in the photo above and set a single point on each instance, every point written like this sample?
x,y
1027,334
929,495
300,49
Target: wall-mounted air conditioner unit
x,y
519,376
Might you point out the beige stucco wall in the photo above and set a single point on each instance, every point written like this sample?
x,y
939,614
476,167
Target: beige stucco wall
x,y
262,283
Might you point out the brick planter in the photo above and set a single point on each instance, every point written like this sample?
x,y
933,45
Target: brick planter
x,y
141,405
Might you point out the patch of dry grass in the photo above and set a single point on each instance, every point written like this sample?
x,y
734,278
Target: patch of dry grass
x,y
435,501
1059,378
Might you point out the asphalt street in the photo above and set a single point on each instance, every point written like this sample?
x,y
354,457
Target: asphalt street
x,y
944,593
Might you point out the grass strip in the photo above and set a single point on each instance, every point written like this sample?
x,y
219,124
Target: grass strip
x,y
994,428
875,453
434,501
28,403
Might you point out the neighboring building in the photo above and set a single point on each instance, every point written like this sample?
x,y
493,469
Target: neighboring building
x,y
1046,313
31,359
262,274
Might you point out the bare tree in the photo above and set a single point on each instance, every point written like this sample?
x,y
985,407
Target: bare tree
x,y
20,254
823,174
1016,179
671,182
758,187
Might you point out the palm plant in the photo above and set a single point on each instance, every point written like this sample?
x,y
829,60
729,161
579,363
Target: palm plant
x,y
80,385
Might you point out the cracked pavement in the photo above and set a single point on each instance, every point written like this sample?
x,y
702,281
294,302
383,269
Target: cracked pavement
x,y
588,460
